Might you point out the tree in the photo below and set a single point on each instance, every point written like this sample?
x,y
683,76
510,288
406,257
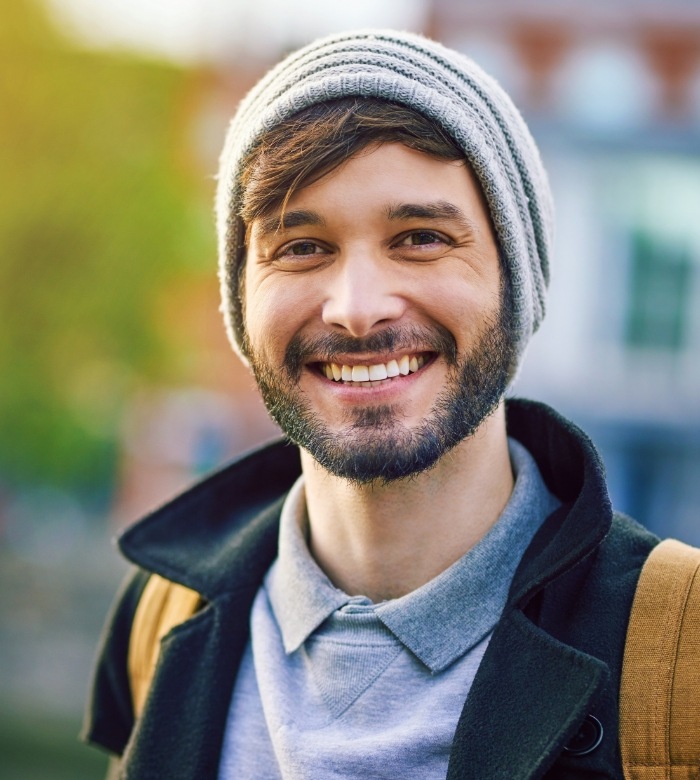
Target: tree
x,y
96,216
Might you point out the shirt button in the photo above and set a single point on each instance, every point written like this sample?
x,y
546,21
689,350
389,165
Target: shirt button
x,y
587,739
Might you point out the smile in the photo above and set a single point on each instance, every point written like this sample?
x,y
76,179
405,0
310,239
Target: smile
x,y
371,375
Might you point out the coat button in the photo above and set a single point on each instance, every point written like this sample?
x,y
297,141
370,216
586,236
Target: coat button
x,y
587,739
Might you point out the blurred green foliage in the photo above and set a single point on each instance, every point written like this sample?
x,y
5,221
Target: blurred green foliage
x,y
98,213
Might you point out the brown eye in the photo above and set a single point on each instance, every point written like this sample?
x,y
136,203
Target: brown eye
x,y
422,238
301,255
418,239
302,248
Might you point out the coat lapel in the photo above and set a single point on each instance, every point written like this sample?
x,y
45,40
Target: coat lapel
x,y
182,726
529,696
181,729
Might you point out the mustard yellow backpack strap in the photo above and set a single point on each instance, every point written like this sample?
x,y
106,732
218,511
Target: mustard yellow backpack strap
x,y
660,688
163,605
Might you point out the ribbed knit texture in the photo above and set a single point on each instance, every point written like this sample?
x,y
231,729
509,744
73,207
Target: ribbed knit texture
x,y
444,86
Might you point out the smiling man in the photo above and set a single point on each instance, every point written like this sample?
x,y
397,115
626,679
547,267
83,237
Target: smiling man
x,y
431,583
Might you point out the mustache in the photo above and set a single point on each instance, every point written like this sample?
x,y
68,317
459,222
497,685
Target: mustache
x,y
391,339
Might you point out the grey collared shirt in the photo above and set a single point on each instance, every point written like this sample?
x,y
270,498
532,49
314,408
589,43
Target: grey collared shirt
x,y
334,686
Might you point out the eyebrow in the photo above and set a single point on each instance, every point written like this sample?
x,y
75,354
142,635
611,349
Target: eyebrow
x,y
440,209
272,223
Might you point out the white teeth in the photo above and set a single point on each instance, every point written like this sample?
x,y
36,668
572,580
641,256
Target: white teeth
x,y
378,372
366,376
360,374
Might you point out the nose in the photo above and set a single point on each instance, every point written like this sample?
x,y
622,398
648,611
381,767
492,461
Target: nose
x,y
362,294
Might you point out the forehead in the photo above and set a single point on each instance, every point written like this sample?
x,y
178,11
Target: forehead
x,y
390,180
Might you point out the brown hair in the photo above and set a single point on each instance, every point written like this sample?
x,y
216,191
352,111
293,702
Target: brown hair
x,y
320,138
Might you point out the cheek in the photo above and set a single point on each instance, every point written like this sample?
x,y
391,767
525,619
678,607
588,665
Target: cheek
x,y
461,303
465,309
276,308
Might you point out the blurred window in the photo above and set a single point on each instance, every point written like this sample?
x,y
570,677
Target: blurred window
x,y
650,255
658,293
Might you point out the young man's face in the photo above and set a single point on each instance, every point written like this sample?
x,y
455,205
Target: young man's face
x,y
374,316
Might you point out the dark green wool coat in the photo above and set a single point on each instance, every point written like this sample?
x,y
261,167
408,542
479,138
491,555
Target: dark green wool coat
x,y
546,690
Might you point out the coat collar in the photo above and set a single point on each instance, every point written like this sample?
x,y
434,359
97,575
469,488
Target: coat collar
x,y
209,537
573,471
203,537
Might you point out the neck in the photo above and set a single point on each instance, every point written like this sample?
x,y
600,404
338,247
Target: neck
x,y
383,541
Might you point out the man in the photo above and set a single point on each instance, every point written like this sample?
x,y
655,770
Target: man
x,y
440,589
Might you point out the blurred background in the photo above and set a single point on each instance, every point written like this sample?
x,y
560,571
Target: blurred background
x,y
117,385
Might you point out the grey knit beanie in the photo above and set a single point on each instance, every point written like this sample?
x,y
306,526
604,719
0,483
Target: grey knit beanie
x,y
437,82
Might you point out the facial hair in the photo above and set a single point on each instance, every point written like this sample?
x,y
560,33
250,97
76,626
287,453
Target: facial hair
x,y
375,445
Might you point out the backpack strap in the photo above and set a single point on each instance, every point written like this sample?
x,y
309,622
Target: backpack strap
x,y
660,687
163,605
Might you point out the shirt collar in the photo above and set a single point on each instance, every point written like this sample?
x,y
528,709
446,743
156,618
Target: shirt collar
x,y
301,595
444,618
452,613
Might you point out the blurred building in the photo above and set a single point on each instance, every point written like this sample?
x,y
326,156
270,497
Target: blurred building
x,y
611,91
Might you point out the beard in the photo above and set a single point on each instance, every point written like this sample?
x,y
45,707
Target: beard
x,y
375,445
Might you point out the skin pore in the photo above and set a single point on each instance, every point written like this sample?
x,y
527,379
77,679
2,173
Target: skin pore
x,y
390,256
